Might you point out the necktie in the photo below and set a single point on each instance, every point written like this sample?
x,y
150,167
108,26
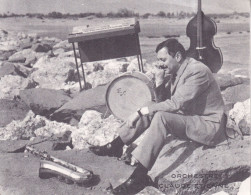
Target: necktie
x,y
173,78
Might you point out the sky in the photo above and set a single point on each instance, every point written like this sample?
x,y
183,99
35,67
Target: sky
x,y
105,6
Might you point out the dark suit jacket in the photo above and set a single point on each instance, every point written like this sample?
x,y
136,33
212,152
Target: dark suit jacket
x,y
197,96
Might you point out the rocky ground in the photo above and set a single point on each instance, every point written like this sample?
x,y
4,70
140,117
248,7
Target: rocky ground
x,y
40,98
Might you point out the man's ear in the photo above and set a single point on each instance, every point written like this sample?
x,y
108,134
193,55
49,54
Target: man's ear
x,y
178,56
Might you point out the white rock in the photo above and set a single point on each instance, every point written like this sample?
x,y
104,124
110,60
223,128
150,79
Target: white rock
x,y
16,129
220,193
94,130
10,85
52,72
66,54
27,53
241,110
58,51
22,35
64,45
53,127
8,45
245,187
114,66
32,126
52,39
101,77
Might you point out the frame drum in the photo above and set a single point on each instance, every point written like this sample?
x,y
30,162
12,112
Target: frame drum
x,y
128,92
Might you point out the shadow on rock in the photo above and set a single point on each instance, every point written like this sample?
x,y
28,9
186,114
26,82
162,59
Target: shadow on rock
x,y
190,147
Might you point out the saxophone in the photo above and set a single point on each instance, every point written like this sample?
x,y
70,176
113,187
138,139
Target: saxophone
x,y
51,166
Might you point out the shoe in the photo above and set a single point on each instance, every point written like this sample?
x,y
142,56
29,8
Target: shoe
x,y
107,150
133,185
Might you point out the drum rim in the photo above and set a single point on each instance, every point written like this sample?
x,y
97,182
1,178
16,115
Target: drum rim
x,y
150,85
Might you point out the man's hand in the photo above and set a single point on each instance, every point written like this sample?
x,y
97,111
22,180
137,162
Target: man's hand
x,y
132,120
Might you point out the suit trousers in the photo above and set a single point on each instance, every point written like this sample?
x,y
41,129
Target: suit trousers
x,y
157,128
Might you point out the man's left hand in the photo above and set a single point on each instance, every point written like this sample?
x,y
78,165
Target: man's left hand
x,y
132,120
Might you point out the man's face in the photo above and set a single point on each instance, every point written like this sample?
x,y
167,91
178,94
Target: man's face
x,y
167,62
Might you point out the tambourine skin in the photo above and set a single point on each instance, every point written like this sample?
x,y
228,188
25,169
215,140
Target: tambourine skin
x,y
128,92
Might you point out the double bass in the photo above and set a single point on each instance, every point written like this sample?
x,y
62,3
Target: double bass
x,y
201,30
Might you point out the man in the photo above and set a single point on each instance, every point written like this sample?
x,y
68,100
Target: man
x,y
194,112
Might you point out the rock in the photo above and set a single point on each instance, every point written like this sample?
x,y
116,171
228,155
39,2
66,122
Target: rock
x,y
62,142
115,66
9,43
239,117
33,126
3,33
29,54
228,107
10,85
26,43
188,168
44,101
12,110
150,190
21,129
41,47
3,58
220,193
244,127
6,69
8,47
22,70
30,61
22,35
245,187
72,76
227,80
52,73
4,55
230,188
97,67
94,130
123,68
30,83
17,59
33,36
101,77
92,99
236,93
52,127
240,72
63,45
68,54
58,51
51,40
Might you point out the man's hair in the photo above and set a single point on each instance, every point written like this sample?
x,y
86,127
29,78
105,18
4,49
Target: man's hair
x,y
173,46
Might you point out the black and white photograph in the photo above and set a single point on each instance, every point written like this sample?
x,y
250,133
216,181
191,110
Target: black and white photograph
x,y
125,97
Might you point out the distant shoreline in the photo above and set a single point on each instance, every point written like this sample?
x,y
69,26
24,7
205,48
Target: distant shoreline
x,y
124,13
151,27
